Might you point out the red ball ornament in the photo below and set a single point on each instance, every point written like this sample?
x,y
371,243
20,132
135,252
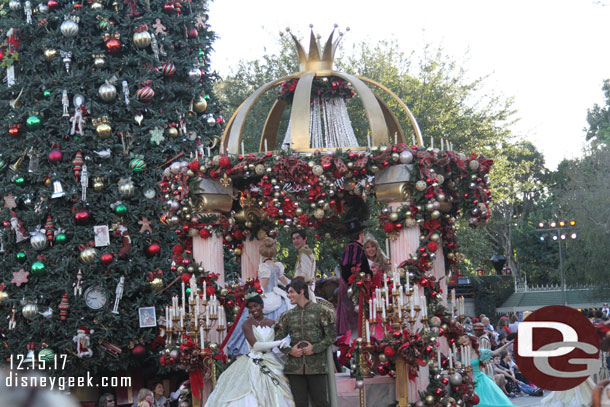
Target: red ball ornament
x,y
168,69
55,155
398,226
113,46
388,227
139,351
389,351
153,250
52,4
432,246
13,131
204,233
82,217
194,165
107,258
193,33
475,399
224,162
382,370
185,277
145,93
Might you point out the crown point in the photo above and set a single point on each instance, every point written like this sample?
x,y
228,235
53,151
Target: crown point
x,y
310,25
287,29
346,28
335,25
281,34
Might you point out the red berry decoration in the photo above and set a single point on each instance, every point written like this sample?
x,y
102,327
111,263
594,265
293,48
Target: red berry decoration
x,y
224,162
139,351
113,46
153,250
82,217
107,258
56,155
194,165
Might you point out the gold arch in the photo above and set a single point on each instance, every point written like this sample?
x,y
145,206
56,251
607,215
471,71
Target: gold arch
x,y
381,119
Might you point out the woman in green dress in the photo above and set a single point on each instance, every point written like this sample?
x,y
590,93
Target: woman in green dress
x,y
485,387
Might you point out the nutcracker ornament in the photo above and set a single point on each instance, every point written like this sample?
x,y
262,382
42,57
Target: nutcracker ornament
x,y
78,284
64,307
119,295
83,342
12,318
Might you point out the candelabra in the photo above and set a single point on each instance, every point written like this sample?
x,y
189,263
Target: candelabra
x,y
195,317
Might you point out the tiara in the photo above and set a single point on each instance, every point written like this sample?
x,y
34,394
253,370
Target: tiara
x,y
251,295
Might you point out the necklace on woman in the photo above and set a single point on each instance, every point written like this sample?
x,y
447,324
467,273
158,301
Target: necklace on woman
x,y
258,321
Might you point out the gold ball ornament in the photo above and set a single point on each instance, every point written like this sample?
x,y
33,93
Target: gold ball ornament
x,y
156,284
237,251
382,358
435,237
30,311
430,399
172,132
88,255
317,170
98,183
3,297
99,60
200,105
224,292
473,165
421,185
235,309
103,130
393,216
142,39
435,321
49,54
318,213
435,214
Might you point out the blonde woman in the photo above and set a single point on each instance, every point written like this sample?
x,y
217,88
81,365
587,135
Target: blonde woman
x,y
146,398
270,273
377,261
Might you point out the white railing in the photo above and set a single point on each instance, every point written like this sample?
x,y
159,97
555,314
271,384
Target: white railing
x,y
524,287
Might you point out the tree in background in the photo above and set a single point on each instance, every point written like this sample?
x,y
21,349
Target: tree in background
x,y
99,98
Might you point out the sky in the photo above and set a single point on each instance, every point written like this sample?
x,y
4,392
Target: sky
x,y
550,56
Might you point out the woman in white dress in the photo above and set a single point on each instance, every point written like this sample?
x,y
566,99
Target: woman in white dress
x,y
275,299
579,396
255,379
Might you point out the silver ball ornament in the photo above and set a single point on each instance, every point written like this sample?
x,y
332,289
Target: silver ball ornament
x,y
38,241
107,92
455,379
406,157
69,28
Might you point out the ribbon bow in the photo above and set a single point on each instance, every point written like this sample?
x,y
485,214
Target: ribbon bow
x,y
84,246
107,37
142,28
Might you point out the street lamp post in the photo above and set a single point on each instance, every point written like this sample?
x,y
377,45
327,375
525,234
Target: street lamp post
x,y
558,228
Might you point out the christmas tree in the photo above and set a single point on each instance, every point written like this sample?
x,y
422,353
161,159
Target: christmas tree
x,y
99,97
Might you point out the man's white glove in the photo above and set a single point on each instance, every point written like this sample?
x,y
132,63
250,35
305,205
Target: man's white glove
x,y
285,343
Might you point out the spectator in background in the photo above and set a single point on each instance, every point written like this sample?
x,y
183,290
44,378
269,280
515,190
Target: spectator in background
x,y
503,326
106,400
146,398
605,308
514,323
17,396
468,325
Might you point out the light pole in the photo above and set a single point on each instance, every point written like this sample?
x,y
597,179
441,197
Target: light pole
x,y
559,229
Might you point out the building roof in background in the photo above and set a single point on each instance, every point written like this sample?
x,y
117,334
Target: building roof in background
x,y
575,298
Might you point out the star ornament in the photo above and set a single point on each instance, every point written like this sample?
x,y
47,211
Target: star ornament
x,y
156,136
20,277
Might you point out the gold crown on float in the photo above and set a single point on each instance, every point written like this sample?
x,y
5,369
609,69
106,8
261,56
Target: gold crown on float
x,y
251,294
317,59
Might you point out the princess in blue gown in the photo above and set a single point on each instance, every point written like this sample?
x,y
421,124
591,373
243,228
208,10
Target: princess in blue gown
x,y
489,393
276,302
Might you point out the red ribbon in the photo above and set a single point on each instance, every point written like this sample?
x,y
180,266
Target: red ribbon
x,y
196,382
142,28
84,246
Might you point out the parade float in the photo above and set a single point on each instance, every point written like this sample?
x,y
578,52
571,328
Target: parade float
x,y
409,329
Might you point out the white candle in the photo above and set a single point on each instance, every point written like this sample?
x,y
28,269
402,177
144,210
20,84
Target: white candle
x,y
438,357
423,306
387,299
383,312
242,148
368,139
209,152
450,360
412,310
395,138
387,247
400,309
442,144
166,315
413,139
368,332
181,318
201,341
431,142
265,141
183,291
408,282
371,309
207,316
205,291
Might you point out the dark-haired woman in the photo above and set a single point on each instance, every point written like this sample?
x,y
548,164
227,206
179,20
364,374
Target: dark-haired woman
x,y
255,379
